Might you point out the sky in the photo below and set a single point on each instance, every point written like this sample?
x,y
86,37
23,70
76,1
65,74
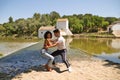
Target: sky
x,y
26,8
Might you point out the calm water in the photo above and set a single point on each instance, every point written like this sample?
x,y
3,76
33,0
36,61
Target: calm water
x,y
103,48
7,47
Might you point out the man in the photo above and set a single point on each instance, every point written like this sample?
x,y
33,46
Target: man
x,y
61,48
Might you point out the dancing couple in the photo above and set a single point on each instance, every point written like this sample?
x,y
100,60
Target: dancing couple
x,y
61,49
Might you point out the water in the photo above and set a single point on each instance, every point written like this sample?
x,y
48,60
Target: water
x,y
78,49
103,48
7,47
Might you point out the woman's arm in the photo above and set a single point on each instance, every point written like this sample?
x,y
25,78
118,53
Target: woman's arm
x,y
52,45
45,43
49,42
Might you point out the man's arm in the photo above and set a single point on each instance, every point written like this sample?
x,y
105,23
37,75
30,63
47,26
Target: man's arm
x,y
53,45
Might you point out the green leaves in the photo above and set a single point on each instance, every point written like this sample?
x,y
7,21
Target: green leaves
x,y
77,23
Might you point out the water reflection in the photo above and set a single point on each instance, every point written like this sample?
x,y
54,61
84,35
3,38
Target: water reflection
x,y
101,47
95,46
68,41
105,48
7,48
115,43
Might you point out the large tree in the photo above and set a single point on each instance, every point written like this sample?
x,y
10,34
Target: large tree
x,y
10,19
53,17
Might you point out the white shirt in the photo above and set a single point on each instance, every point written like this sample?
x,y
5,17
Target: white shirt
x,y
61,43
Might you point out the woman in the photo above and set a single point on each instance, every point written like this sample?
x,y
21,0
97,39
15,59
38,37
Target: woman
x,y
47,42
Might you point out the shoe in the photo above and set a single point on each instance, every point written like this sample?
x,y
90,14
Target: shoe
x,y
69,69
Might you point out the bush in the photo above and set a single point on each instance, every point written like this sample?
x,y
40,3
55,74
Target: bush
x,y
92,30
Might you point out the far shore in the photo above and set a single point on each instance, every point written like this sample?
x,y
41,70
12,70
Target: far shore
x,y
35,38
95,35
19,39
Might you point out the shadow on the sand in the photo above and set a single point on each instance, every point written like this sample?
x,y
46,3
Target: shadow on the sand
x,y
110,63
37,68
22,61
43,69
59,71
4,76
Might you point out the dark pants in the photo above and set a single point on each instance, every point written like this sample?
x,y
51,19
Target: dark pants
x,y
62,53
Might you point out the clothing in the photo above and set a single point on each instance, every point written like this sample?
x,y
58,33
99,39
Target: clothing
x,y
62,53
61,43
61,50
47,55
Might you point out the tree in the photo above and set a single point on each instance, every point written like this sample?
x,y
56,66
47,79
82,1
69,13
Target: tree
x,y
78,23
10,19
2,30
104,25
45,20
53,17
111,19
36,16
75,25
88,22
20,26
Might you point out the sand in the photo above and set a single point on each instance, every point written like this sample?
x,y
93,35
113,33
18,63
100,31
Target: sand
x,y
93,69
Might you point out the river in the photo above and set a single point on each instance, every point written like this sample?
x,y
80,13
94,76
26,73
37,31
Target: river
x,y
103,48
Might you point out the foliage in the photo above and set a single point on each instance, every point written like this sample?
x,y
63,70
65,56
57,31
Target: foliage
x,y
77,23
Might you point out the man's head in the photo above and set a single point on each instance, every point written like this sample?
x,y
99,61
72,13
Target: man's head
x,y
57,32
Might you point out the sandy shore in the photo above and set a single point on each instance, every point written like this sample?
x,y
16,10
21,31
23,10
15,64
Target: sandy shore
x,y
81,70
27,64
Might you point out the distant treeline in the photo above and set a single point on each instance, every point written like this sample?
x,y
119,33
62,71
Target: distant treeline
x,y
78,23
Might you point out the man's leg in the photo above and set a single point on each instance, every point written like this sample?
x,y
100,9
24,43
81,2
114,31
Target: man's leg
x,y
55,53
63,55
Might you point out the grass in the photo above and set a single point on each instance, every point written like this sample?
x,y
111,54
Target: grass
x,y
98,35
19,39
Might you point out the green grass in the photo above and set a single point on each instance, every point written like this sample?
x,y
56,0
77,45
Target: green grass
x,y
98,35
19,39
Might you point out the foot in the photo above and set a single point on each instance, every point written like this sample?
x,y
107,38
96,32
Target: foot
x,y
54,66
69,69
48,68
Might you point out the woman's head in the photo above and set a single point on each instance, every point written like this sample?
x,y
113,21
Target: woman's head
x,y
48,34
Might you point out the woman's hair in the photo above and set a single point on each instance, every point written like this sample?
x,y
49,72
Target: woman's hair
x,y
46,33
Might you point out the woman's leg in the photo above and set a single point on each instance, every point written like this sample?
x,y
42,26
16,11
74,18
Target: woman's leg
x,y
51,58
48,56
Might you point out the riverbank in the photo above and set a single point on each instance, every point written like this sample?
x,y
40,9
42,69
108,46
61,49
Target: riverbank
x,y
92,69
19,39
96,35
27,64
11,44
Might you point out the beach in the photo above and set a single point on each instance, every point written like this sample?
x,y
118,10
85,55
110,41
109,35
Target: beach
x,y
28,64
93,69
